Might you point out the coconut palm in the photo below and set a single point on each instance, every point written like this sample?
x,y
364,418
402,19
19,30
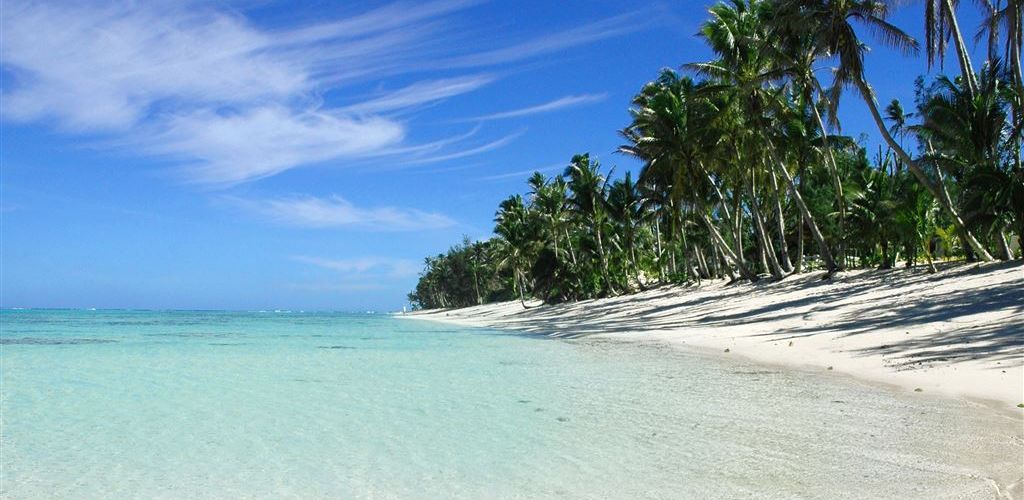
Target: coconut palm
x,y
940,24
515,242
589,201
736,33
971,137
829,22
625,207
672,129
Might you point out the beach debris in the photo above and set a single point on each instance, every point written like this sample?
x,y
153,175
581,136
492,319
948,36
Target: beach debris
x,y
726,349
562,419
919,390
790,343
830,368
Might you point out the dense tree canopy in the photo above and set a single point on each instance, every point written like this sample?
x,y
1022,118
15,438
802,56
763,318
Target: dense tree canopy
x,y
744,174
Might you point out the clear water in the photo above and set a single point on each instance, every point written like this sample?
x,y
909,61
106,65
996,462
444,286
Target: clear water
x,y
100,404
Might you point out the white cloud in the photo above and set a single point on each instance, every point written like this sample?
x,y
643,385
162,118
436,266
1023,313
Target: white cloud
x,y
523,174
335,211
557,104
90,66
231,148
336,287
394,268
234,101
421,93
473,151
556,41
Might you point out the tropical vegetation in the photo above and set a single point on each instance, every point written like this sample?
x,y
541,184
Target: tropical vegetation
x,y
746,174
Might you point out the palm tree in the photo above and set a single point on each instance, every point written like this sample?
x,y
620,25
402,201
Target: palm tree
x,y
969,136
829,23
513,249
736,33
589,200
626,210
940,24
1008,19
672,129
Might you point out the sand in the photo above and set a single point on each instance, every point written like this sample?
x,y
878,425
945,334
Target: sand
x,y
959,332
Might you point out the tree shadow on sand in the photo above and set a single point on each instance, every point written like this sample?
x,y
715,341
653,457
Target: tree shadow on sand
x,y
869,303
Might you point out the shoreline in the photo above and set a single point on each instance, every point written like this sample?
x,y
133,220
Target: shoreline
x,y
956,333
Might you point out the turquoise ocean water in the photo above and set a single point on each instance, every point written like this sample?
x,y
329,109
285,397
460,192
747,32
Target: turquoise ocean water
x,y
135,404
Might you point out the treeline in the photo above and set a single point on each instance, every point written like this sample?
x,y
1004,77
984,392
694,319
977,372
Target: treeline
x,y
746,176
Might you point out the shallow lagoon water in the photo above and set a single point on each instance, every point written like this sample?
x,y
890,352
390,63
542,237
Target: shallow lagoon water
x,y
126,404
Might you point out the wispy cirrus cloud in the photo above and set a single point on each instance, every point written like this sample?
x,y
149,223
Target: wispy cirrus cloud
x,y
228,148
390,267
581,35
555,105
470,152
356,274
337,212
233,101
523,174
420,93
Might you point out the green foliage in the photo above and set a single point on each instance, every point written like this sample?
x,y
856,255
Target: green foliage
x,y
743,177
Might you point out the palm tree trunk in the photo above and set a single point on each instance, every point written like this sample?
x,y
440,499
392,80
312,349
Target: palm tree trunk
x,y
568,242
724,247
768,260
1004,245
738,225
966,68
836,181
716,268
939,193
636,267
522,285
604,259
673,246
661,253
726,213
928,257
702,264
826,254
799,266
787,264
476,286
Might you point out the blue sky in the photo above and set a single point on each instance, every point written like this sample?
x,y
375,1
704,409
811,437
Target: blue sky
x,y
308,155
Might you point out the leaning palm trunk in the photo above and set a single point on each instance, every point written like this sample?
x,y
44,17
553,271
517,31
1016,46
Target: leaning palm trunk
x,y
737,226
768,260
702,264
717,239
661,252
836,181
784,260
939,192
966,68
522,285
568,242
727,213
604,260
826,254
1004,245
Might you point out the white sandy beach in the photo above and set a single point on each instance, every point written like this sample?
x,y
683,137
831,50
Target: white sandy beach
x,y
959,332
